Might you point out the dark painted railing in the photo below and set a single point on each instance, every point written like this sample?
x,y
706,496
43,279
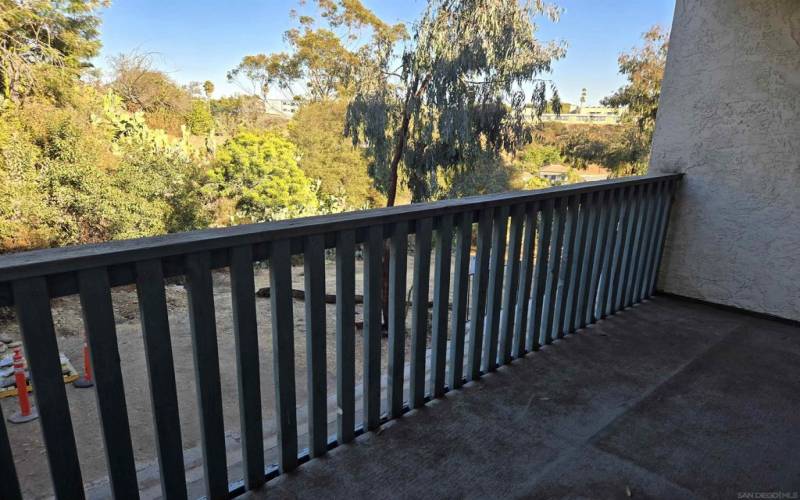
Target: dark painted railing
x,y
548,263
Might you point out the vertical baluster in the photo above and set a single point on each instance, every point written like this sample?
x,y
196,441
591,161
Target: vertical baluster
x,y
615,270
202,324
567,264
595,277
647,232
280,278
345,335
553,272
373,276
511,284
419,310
594,236
161,376
526,279
479,290
9,486
441,299
580,263
658,208
633,261
604,285
245,335
540,274
36,322
398,248
627,246
101,332
496,272
662,235
460,291
316,362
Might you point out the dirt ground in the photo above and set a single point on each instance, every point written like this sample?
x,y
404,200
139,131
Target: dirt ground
x,y
28,450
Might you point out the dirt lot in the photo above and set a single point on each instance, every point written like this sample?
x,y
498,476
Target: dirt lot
x,y
26,440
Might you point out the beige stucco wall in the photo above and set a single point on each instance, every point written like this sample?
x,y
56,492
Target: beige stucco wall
x,y
729,118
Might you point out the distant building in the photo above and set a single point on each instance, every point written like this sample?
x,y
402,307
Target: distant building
x,y
282,107
592,115
556,173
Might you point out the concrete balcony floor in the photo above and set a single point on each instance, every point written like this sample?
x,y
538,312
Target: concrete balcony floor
x,y
668,399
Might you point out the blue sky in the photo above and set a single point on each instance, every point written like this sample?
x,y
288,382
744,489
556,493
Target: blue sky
x,y
197,40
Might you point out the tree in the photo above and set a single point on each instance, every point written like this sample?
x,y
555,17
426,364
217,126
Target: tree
x,y
484,177
458,94
208,88
324,154
199,119
145,88
644,68
241,111
535,155
258,173
262,72
142,87
44,41
321,57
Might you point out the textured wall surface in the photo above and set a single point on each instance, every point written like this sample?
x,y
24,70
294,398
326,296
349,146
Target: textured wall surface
x,y
729,118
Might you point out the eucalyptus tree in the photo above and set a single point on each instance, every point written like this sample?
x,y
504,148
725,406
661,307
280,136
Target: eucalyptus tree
x,y
324,52
644,69
460,92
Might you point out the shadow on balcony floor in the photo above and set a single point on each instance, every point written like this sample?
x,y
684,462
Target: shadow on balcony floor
x,y
668,399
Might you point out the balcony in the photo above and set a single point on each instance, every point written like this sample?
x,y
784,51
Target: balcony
x,y
535,359
666,399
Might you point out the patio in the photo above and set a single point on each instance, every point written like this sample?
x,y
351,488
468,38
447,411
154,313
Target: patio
x,y
668,399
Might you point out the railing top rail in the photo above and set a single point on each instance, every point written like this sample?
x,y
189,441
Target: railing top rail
x,y
73,258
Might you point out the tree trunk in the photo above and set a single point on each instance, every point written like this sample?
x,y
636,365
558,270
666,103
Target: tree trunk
x,y
391,196
402,136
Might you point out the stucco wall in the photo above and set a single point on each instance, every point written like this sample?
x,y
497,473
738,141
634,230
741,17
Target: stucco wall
x,y
729,117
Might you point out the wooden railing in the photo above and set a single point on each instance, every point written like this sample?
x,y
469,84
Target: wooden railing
x,y
547,263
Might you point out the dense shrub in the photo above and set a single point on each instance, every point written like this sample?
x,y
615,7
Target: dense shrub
x,y
325,155
88,173
257,176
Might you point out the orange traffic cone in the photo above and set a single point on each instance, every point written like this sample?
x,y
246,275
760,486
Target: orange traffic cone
x,y
27,412
86,380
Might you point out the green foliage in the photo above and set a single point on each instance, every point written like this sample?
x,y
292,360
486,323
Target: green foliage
x,y
324,154
446,113
534,156
208,88
241,112
536,182
90,172
484,177
323,58
24,211
261,72
45,43
199,120
573,176
620,148
258,173
156,167
67,195
644,68
458,96
144,88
